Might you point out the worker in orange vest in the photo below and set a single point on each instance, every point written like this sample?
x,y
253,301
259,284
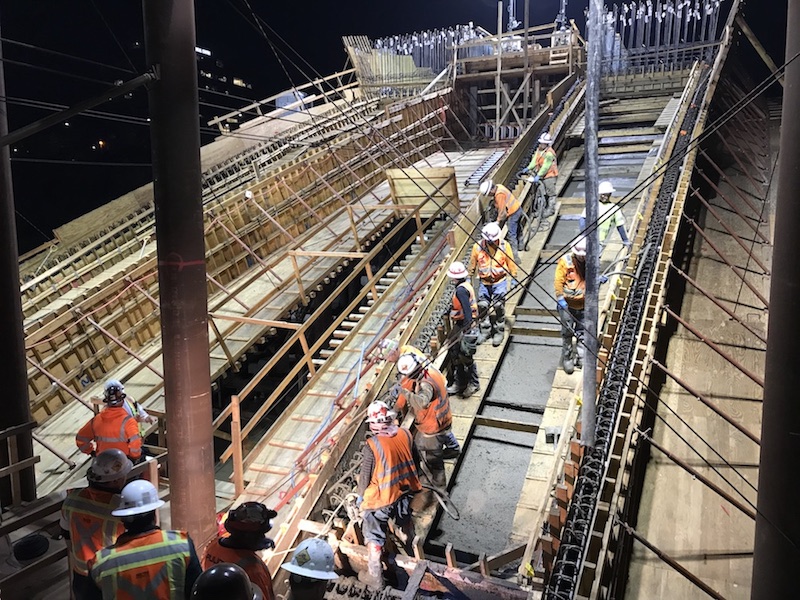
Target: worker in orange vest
x,y
492,259
387,481
114,387
112,427
464,334
86,520
544,166
146,561
508,210
248,525
570,289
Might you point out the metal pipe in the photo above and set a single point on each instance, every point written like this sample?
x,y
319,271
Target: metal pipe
x,y
264,267
175,140
725,416
775,572
59,383
128,350
16,405
70,463
715,347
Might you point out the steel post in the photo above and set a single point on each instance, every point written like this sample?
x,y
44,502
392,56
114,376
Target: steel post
x,y
775,572
175,138
13,374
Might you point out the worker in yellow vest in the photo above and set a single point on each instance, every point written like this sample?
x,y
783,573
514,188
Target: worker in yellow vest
x,y
544,166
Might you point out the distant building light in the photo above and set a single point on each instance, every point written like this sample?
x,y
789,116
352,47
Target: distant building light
x,y
94,147
101,144
66,123
202,51
240,82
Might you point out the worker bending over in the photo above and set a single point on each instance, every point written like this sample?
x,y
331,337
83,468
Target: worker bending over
x,y
570,289
387,481
507,206
464,334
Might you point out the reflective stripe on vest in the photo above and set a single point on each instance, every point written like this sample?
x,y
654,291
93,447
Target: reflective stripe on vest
x,y
539,161
436,416
150,566
394,473
457,313
503,198
91,526
493,269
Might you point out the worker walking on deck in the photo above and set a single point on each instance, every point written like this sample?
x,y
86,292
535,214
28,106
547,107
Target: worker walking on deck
x,y
507,206
464,335
225,581
544,166
113,387
248,525
493,260
570,288
145,561
608,216
311,569
86,520
387,481
112,427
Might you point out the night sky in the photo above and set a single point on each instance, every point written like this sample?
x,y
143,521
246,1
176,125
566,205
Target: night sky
x,y
49,193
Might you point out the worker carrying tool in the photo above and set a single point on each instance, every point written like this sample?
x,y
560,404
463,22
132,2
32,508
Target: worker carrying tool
x,y
492,259
86,520
114,387
112,427
544,166
247,525
609,215
464,334
145,561
311,569
507,206
387,481
570,289
225,581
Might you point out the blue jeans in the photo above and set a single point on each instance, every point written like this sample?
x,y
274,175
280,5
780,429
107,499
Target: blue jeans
x,y
376,521
513,232
493,292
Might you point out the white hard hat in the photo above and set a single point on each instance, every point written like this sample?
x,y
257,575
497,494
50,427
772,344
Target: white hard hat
x,y
579,249
457,270
379,412
388,345
109,465
408,363
138,497
546,138
312,558
113,383
605,187
113,392
491,232
486,187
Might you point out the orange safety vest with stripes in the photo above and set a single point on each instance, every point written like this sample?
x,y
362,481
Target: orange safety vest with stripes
x,y
394,473
504,199
493,268
436,416
149,565
457,312
113,427
87,514
538,161
569,284
252,564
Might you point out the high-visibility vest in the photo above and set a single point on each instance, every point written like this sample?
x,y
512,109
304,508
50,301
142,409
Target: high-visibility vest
x,y
113,427
87,513
394,472
255,568
493,268
572,284
151,565
457,312
538,161
437,416
503,198
133,409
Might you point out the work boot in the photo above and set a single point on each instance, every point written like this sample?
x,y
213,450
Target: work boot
x,y
454,389
566,361
469,390
450,453
373,575
550,208
497,333
500,310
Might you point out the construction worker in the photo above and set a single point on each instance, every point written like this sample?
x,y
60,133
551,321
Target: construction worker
x,y
507,206
86,520
492,258
464,334
248,525
145,561
311,570
112,388
544,166
112,427
570,288
225,581
609,215
386,483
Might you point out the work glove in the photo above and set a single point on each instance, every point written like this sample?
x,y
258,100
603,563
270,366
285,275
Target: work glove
x,y
627,243
395,391
562,304
359,500
602,279
535,179
525,171
514,283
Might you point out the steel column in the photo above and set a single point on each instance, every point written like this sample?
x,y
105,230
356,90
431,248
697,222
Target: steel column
x,y
175,139
775,572
16,404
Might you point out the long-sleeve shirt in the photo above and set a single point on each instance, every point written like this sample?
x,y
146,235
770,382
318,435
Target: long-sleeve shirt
x,y
492,263
463,296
